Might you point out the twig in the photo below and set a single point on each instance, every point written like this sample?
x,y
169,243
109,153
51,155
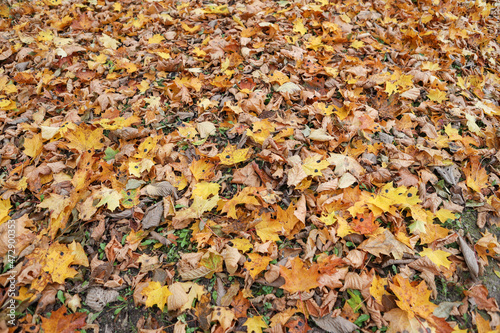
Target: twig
x,y
397,262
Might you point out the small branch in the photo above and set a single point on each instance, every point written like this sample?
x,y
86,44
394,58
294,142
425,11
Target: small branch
x,y
397,262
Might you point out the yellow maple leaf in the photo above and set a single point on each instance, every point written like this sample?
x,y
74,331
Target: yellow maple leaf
x,y
313,165
116,123
325,110
58,261
439,257
231,155
261,130
83,138
5,207
378,288
246,196
413,300
101,58
345,18
279,77
156,294
45,36
187,130
255,324
136,168
471,124
444,215
164,55
268,230
146,147
475,174
343,227
430,66
357,44
33,146
7,104
390,88
202,169
109,42
298,26
242,244
198,52
111,198
205,190
437,95
256,264
156,39
197,208
187,28
79,255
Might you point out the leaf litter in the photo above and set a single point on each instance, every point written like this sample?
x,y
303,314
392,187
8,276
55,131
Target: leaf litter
x,y
267,166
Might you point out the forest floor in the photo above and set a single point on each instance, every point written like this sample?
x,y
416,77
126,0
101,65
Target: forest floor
x,y
257,166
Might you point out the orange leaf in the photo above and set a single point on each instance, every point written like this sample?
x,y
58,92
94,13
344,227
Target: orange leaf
x,y
299,277
364,224
413,300
256,264
59,323
476,176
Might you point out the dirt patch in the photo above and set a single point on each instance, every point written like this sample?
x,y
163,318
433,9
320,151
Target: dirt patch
x,y
488,276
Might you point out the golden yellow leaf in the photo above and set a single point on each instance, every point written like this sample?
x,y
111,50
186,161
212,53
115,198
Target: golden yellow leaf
x,y
45,36
313,165
357,44
156,39
79,255
58,261
255,324
437,95
430,66
413,300
109,42
146,147
476,176
137,168
33,146
231,155
197,208
189,29
205,189
444,214
5,207
439,257
261,130
378,288
7,104
279,77
198,52
156,294
242,244
111,198
202,169
298,26
256,263
390,88
84,138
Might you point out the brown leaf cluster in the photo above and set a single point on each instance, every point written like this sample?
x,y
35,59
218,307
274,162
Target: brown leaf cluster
x,y
250,166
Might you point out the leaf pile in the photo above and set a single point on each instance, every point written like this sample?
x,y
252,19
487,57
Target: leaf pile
x,y
247,166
